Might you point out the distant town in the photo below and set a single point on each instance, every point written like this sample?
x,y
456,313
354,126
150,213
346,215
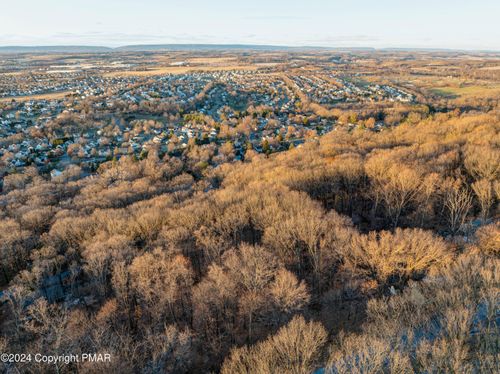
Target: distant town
x,y
87,109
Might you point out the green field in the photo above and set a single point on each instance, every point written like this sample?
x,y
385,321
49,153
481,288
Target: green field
x,y
466,91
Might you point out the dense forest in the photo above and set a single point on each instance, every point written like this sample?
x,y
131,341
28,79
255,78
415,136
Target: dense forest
x,y
360,251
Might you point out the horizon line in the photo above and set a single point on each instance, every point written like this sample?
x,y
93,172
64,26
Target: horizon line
x,y
245,46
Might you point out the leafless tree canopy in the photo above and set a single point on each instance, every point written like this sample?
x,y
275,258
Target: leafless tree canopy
x,y
364,250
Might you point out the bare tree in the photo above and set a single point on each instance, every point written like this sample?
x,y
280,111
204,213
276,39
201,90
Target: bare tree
x,y
288,295
170,351
295,349
485,194
396,185
458,202
394,257
482,162
161,282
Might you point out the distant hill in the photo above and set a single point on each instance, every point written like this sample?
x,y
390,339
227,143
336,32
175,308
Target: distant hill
x,y
54,49
203,47
164,47
210,47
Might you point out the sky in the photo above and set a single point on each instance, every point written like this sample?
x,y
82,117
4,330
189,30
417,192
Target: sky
x,y
455,24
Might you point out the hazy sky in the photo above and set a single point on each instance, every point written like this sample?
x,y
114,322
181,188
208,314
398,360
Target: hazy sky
x,y
468,24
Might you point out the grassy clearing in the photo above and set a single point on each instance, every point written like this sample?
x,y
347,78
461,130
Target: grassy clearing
x,y
177,70
46,96
211,60
467,91
13,73
185,69
490,68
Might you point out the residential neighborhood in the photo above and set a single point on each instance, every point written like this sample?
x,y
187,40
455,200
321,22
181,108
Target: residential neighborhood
x,y
86,116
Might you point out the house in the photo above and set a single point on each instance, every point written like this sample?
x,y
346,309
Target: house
x,y
55,173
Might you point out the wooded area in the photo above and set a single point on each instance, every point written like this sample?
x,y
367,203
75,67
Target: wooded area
x,y
358,251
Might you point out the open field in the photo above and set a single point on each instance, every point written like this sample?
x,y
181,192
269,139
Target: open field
x,y
12,73
45,96
204,60
211,60
185,69
467,91
491,67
